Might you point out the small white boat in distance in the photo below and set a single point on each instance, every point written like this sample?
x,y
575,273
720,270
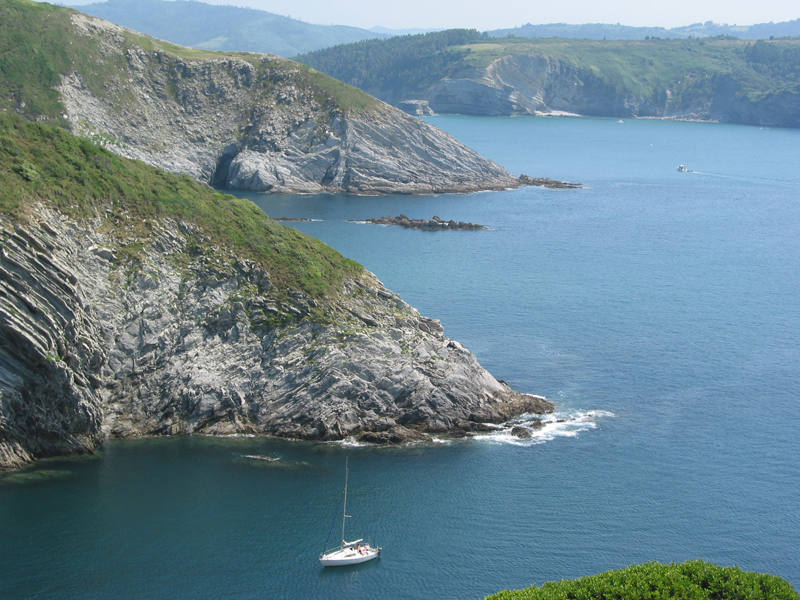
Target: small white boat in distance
x,y
348,553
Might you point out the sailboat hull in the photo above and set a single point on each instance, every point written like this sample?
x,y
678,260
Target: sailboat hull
x,y
348,553
348,556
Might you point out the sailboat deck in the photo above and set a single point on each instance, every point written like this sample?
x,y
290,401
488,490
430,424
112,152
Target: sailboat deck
x,y
349,555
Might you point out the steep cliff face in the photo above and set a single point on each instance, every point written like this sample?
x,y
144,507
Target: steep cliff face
x,y
257,123
480,97
48,350
535,84
192,339
730,105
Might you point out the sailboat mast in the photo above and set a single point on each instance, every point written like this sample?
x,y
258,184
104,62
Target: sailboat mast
x,y
344,508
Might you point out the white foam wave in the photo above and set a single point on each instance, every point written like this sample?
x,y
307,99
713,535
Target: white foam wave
x,y
350,442
538,429
442,441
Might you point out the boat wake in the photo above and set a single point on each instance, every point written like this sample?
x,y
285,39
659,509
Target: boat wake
x,y
530,430
747,178
261,457
351,442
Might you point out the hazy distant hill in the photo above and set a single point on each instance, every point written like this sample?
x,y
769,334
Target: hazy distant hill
x,y
589,31
607,31
228,28
389,32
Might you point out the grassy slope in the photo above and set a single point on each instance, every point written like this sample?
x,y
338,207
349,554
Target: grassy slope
x,y
81,179
693,580
38,45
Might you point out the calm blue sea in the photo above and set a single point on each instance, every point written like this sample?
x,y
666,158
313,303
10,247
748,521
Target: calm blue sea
x,y
661,312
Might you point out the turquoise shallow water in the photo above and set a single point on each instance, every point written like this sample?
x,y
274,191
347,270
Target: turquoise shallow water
x,y
659,309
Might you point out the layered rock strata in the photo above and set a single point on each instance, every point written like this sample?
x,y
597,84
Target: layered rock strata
x,y
191,339
260,123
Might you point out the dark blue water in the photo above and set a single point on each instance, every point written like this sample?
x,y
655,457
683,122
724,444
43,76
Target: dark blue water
x,y
661,309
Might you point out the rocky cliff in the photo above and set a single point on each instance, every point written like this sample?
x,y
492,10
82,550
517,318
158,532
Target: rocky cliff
x,y
255,122
725,80
536,84
121,315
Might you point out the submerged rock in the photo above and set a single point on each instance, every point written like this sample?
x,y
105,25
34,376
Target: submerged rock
x,y
548,183
433,224
520,432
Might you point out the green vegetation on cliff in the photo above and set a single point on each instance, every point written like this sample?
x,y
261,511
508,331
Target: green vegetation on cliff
x,y
39,44
692,580
40,162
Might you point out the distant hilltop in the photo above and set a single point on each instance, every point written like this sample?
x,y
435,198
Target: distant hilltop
x,y
607,31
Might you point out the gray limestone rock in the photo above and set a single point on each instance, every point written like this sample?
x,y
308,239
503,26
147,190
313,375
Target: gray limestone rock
x,y
91,348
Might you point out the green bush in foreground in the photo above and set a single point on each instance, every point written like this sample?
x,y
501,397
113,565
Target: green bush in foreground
x,y
692,580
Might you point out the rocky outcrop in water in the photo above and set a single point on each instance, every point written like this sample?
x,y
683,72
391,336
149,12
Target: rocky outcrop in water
x,y
190,338
553,184
260,123
433,224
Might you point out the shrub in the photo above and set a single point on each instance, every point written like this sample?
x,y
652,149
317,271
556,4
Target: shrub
x,y
692,580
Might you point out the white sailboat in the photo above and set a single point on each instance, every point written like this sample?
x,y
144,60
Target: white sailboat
x,y
348,553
